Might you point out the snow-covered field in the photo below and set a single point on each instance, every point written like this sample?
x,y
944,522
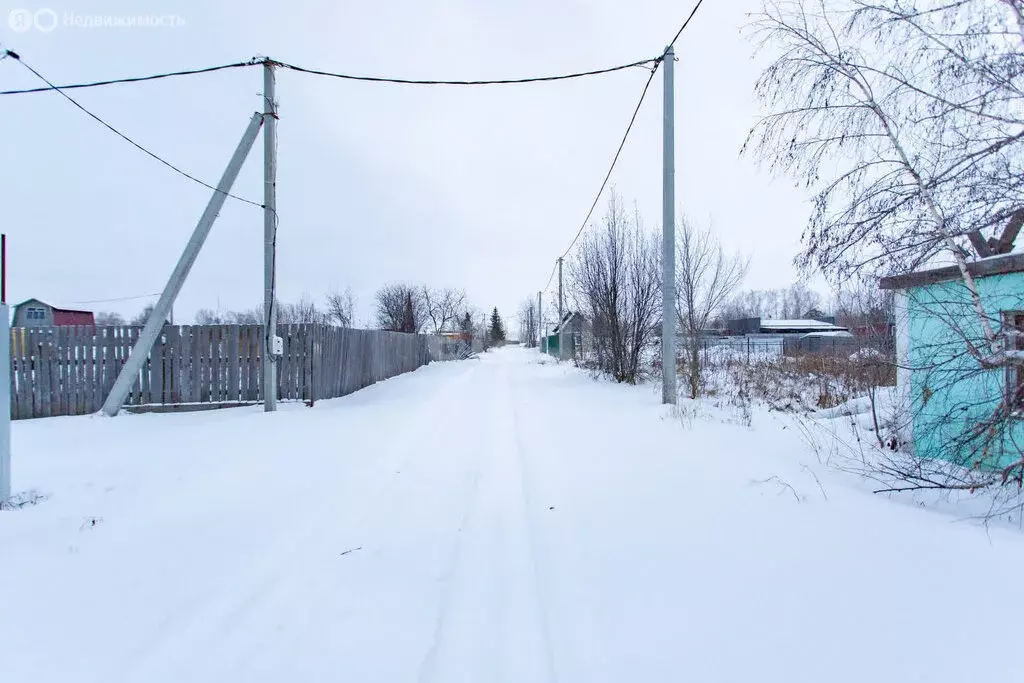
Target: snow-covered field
x,y
491,520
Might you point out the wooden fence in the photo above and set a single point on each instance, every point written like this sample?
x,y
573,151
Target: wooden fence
x,y
70,370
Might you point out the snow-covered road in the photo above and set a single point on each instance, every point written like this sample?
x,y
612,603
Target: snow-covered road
x,y
484,521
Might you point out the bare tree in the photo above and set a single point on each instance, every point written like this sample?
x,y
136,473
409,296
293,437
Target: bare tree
x,y
140,318
528,322
341,307
705,278
441,307
252,316
207,316
104,318
907,123
400,308
906,119
302,311
791,302
615,279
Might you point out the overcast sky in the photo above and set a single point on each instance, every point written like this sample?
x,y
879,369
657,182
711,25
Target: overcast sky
x,y
478,188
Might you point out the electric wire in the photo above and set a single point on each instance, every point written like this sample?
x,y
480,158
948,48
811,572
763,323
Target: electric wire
x,y
604,183
124,137
686,23
134,79
500,81
611,168
117,298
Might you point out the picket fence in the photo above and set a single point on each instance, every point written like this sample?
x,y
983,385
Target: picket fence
x,y
70,370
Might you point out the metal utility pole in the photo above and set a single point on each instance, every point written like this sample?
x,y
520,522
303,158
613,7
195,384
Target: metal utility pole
x,y
668,230
129,374
559,290
269,237
5,379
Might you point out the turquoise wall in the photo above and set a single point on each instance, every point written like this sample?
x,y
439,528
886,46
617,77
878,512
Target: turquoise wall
x,y
950,392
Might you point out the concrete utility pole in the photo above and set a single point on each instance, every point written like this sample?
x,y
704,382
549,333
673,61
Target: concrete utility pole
x,y
559,290
540,323
130,371
668,229
5,379
269,237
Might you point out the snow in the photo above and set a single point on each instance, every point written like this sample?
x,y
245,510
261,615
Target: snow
x,y
500,520
830,333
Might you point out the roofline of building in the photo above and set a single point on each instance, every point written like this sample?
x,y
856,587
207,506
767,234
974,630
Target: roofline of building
x,y
996,265
70,310
52,307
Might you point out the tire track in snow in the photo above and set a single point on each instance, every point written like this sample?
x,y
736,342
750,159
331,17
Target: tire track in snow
x,y
491,624
208,629
569,613
317,595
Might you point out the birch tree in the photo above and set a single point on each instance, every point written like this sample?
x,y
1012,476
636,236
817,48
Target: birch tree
x,y
705,279
906,120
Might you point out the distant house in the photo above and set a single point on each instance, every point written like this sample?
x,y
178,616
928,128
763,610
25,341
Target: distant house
x,y
36,313
455,343
798,326
951,398
566,340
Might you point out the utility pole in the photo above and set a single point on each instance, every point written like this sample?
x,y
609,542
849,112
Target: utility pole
x,y
5,380
540,323
269,237
559,290
668,230
129,373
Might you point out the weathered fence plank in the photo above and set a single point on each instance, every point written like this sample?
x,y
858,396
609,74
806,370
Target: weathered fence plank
x,y
70,370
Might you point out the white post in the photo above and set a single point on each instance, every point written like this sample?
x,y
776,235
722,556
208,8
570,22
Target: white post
x,y
540,323
668,229
5,403
269,238
130,371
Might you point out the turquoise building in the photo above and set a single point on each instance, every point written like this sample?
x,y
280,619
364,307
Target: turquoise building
x,y
955,408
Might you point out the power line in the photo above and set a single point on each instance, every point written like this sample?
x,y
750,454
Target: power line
x,y
121,135
615,159
686,23
502,81
135,79
632,120
118,298
320,72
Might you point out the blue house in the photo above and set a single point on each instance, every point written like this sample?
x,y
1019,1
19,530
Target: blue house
x,y
961,407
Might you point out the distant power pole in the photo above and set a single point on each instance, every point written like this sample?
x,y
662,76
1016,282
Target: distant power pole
x,y
668,229
559,290
269,237
540,322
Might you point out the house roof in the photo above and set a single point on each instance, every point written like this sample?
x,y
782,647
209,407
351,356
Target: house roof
x,y
827,333
986,267
801,324
52,307
568,317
